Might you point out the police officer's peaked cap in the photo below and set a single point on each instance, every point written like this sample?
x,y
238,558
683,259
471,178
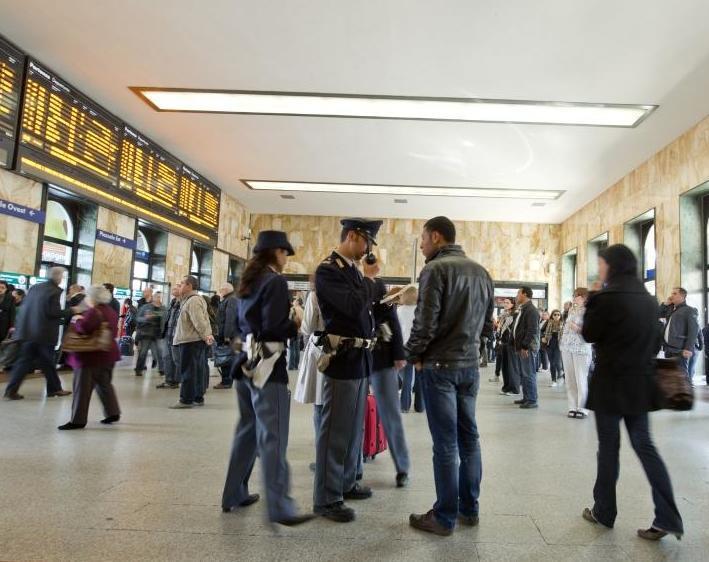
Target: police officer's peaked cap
x,y
366,227
273,240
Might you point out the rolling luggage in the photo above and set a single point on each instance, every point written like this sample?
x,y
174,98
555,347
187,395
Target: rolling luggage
x,y
125,344
374,441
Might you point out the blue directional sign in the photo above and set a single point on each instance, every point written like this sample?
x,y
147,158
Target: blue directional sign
x,y
115,239
20,211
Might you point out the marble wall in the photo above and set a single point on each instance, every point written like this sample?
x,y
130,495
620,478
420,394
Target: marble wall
x,y
657,183
220,269
510,251
177,261
233,227
18,237
112,264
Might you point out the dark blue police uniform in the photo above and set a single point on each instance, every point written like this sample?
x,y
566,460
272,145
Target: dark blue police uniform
x,y
264,424
345,300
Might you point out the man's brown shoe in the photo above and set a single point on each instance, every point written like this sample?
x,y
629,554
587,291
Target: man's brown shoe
x,y
59,393
221,386
14,396
428,522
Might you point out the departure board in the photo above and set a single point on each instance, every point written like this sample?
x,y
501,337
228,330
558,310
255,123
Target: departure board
x,y
60,122
11,68
148,171
69,140
199,199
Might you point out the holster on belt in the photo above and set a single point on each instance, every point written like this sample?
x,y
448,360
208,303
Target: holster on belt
x,y
333,344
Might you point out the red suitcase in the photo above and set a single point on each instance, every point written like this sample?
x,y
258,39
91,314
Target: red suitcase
x,y
374,441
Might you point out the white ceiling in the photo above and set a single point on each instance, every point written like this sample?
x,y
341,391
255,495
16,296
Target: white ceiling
x,y
635,51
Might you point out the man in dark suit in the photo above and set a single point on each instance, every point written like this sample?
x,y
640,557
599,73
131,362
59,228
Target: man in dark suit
x,y
525,335
346,305
681,329
38,330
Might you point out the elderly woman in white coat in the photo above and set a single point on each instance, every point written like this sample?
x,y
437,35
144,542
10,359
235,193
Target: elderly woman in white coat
x,y
309,386
576,356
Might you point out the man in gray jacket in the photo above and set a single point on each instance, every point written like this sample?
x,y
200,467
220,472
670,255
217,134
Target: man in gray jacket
x,y
680,334
455,305
193,334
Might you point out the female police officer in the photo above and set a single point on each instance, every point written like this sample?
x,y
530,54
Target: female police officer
x,y
262,387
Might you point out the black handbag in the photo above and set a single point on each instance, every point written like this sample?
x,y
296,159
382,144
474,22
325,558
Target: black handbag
x,y
223,355
674,386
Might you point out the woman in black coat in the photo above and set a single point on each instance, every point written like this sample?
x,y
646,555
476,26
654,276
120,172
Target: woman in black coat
x,y
622,322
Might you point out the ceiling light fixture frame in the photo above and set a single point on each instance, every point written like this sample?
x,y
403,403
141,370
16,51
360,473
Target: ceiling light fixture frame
x,y
647,109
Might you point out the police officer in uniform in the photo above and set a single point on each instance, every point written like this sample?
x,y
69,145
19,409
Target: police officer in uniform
x,y
346,305
262,383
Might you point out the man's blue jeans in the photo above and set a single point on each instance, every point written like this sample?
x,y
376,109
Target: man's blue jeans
x,y
450,396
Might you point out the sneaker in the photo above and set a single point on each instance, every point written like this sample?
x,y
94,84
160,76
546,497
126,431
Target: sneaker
x,y
655,534
358,492
589,516
337,512
167,385
505,393
181,406
554,384
428,522
469,520
402,480
494,379
294,520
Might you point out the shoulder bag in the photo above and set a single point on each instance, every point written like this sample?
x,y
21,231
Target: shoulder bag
x,y
674,387
99,340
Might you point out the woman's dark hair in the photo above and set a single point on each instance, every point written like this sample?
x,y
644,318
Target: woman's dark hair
x,y
254,268
553,312
621,261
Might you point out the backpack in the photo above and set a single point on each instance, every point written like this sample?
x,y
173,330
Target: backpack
x,y
212,317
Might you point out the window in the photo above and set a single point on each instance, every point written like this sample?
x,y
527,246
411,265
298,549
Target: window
x,y
69,234
149,263
201,268
649,256
569,270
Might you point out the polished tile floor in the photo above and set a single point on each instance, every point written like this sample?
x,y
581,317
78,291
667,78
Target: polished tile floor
x,y
149,488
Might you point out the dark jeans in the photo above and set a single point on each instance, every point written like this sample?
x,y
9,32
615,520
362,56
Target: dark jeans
x,y
543,357
34,354
457,464
525,366
193,358
152,345
667,516
411,379
171,360
555,365
510,371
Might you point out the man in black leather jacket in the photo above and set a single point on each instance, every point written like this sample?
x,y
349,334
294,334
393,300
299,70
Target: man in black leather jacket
x,y
455,304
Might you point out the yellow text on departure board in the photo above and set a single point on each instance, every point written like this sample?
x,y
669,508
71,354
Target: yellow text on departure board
x,y
68,130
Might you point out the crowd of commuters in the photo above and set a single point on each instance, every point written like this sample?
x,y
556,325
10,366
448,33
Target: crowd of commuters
x,y
353,337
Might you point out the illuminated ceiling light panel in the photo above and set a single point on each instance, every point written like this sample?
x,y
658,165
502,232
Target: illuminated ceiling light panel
x,y
366,189
393,107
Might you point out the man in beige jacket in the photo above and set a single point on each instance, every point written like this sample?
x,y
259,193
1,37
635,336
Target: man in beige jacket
x,y
192,336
